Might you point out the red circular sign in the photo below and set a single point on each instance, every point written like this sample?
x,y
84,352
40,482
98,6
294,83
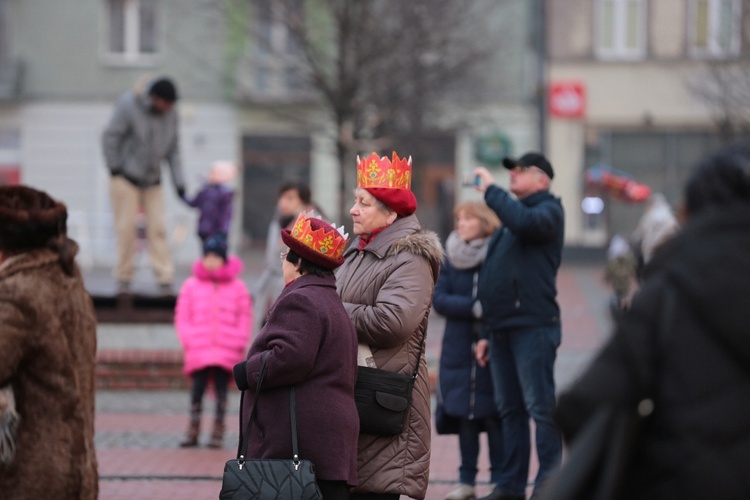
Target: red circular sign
x,y
567,99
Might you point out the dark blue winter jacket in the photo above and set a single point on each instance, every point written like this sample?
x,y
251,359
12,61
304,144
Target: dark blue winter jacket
x,y
517,286
465,387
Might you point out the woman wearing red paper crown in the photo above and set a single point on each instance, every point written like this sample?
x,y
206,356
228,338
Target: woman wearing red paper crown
x,y
386,283
313,348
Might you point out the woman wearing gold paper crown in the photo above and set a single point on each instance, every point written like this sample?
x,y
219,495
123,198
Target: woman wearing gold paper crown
x,y
386,283
313,347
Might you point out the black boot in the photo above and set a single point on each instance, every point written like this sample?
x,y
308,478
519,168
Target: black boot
x,y
191,437
217,435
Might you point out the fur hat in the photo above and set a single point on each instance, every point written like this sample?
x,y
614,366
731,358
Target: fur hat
x,y
388,180
29,219
316,240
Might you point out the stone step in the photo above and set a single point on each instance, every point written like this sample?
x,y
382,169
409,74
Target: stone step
x,y
140,370
148,309
135,369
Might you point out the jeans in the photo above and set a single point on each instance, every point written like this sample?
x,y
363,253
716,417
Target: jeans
x,y
522,363
468,441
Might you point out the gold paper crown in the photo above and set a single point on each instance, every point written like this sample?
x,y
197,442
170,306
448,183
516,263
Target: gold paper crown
x,y
326,240
380,172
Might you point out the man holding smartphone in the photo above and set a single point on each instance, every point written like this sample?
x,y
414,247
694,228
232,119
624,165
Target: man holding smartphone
x,y
517,293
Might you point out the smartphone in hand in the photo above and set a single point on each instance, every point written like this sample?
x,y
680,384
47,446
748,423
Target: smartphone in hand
x,y
470,180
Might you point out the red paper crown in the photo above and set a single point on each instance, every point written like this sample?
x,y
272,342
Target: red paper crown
x,y
380,172
316,240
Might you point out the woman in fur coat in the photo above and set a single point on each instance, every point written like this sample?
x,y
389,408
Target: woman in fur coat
x,y
47,353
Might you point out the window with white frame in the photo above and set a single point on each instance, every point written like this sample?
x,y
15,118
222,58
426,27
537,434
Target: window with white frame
x,y
132,34
620,29
714,28
4,27
277,64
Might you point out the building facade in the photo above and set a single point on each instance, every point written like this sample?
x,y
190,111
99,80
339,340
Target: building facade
x,y
63,65
640,74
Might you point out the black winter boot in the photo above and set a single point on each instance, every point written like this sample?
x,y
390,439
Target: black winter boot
x,y
191,437
217,435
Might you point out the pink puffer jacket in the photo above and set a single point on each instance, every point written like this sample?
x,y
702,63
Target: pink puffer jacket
x,y
213,317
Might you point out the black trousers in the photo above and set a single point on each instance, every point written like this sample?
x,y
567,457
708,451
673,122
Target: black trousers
x,y
200,381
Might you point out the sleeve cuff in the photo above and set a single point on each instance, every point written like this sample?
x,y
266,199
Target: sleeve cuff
x,y
240,375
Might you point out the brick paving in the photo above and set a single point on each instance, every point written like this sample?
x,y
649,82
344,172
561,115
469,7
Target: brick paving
x,y
137,432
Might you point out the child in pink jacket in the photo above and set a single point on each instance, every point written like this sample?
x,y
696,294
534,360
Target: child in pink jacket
x,y
213,319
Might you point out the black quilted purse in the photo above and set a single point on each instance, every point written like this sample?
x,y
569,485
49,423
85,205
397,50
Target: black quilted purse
x,y
281,479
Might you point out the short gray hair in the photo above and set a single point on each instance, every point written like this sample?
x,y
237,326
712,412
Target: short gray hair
x,y
383,207
378,204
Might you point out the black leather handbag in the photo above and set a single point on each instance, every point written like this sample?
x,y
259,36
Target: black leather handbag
x,y
383,398
272,479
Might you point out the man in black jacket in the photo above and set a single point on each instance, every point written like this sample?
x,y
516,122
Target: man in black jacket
x,y
517,294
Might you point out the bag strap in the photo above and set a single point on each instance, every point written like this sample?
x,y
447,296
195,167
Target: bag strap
x,y
242,450
292,417
421,346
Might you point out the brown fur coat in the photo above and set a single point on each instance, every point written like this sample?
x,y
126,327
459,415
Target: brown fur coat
x,y
47,355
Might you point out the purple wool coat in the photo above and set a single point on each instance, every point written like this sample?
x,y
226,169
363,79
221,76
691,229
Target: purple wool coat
x,y
313,347
214,201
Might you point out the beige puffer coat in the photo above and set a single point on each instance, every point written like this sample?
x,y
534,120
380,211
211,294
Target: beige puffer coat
x,y
387,291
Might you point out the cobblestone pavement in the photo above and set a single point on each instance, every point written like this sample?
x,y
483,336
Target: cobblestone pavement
x,y
137,433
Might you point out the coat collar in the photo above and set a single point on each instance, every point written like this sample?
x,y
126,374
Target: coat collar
x,y
310,280
27,260
536,198
383,241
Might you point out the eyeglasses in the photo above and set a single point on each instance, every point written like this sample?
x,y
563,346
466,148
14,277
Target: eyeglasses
x,y
283,255
519,169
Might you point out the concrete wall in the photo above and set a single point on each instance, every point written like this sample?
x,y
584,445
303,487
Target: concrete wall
x,y
62,46
61,153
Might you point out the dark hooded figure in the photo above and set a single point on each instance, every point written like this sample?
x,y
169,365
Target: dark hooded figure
x,y
684,348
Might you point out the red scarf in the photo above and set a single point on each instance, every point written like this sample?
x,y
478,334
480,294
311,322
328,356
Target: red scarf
x,y
365,240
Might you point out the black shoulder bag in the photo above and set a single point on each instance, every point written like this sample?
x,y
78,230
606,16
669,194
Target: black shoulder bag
x,y
383,398
270,479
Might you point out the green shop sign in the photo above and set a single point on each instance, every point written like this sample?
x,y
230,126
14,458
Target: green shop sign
x,y
490,149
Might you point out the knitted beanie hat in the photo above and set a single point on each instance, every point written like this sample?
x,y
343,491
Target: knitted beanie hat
x,y
165,89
